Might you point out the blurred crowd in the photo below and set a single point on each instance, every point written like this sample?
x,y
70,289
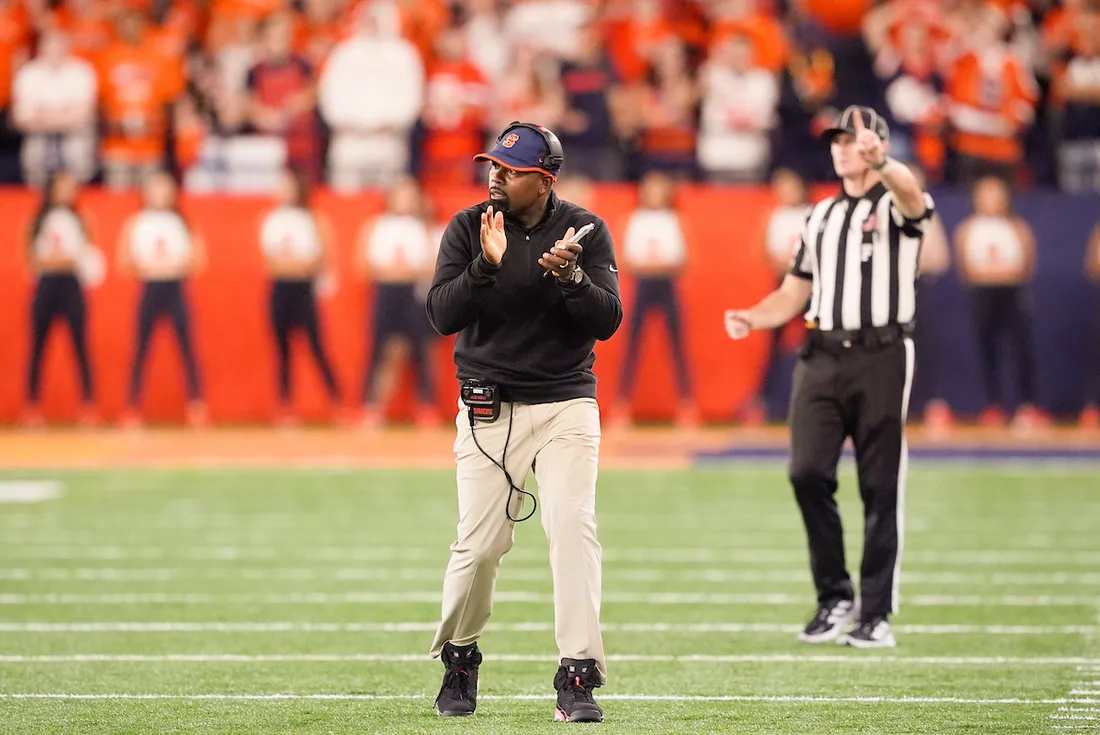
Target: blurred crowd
x,y
357,93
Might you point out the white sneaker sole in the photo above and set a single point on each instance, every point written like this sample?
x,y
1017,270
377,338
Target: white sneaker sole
x,y
847,640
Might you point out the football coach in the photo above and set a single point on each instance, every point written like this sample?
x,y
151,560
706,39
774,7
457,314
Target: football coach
x,y
528,282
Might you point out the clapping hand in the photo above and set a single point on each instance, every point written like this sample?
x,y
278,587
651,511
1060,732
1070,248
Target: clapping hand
x,y
494,241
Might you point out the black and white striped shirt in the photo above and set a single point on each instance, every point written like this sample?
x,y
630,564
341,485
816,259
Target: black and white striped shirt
x,y
861,254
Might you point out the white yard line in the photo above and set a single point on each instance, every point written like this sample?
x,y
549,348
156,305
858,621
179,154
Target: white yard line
x,y
1077,717
526,658
1081,718
432,597
1058,558
518,573
781,699
1074,728
527,627
29,491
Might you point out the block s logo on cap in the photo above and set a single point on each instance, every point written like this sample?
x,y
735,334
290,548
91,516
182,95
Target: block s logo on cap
x,y
510,141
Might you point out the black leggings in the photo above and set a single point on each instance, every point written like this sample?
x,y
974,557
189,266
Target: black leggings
x,y
293,306
399,313
58,295
657,294
163,299
1003,310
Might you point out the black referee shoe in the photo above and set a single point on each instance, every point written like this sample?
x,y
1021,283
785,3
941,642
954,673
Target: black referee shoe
x,y
575,681
458,695
830,621
872,633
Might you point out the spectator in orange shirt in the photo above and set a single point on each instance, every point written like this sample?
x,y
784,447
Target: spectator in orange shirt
x,y
319,31
668,106
747,18
633,30
137,86
88,25
453,118
991,103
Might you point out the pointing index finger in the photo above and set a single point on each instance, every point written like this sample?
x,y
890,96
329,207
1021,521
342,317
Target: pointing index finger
x,y
857,120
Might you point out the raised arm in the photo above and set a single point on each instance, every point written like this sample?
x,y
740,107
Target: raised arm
x,y
461,275
594,303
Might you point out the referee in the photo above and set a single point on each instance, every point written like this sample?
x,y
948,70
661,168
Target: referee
x,y
856,265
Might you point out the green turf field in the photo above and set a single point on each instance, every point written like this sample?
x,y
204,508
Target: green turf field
x,y
303,602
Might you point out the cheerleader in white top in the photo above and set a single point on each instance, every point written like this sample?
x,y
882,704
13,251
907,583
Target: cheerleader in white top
x,y
779,242
995,252
295,242
159,248
396,252
656,251
62,256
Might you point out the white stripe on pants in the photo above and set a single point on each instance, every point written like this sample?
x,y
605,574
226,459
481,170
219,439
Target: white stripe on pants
x,y
561,442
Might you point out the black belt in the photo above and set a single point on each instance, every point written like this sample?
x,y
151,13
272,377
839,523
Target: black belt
x,y
871,337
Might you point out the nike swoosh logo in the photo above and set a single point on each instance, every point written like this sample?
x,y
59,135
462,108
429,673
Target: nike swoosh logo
x,y
613,269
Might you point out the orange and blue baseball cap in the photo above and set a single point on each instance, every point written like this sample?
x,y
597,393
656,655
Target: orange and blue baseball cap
x,y
526,147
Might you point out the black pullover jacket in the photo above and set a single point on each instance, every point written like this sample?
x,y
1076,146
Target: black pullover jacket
x,y
530,335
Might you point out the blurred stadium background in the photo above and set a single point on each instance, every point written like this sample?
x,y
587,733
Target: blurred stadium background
x,y
217,559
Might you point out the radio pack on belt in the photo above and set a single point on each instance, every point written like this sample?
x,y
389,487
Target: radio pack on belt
x,y
482,400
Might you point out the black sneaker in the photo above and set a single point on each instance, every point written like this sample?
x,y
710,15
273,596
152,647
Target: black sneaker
x,y
873,633
575,681
458,695
830,621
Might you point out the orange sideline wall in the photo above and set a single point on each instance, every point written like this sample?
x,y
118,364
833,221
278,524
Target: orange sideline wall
x,y
236,352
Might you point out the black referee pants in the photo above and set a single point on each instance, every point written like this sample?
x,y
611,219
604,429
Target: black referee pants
x,y
861,391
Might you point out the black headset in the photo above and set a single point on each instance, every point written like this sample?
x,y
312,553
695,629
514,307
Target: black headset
x,y
553,160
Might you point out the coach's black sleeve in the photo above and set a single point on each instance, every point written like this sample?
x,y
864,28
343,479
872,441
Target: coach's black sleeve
x,y
594,303
461,275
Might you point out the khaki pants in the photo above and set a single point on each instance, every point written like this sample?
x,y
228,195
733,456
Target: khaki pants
x,y
560,442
